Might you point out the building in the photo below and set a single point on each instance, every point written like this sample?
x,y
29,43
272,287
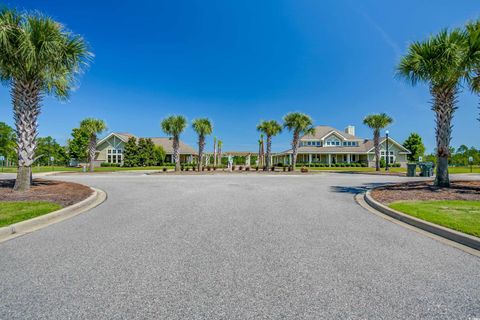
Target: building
x,y
110,149
330,146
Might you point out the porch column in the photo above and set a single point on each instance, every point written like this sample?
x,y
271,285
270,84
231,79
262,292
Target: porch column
x,y
309,158
348,158
290,159
329,160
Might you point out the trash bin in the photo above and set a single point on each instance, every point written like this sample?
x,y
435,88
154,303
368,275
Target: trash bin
x,y
411,169
426,169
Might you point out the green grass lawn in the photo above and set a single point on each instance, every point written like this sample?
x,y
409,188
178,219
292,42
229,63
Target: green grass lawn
x,y
459,215
353,169
37,169
13,212
475,169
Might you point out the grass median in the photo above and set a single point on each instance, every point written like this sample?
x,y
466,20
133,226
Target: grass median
x,y
13,212
460,215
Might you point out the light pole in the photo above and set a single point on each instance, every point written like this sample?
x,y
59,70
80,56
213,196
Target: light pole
x,y
387,155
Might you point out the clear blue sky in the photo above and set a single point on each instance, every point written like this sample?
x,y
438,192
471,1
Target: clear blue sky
x,y
237,62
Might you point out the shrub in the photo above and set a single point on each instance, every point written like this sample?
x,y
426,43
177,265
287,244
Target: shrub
x,y
304,169
164,169
247,169
284,169
363,165
240,168
256,168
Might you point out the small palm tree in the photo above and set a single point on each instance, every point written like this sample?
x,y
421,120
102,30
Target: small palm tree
x,y
38,57
377,122
260,151
219,152
203,127
92,127
299,124
174,126
440,62
270,128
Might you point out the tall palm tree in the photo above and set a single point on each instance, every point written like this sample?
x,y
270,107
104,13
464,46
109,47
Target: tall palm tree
x,y
219,152
174,126
92,127
214,151
38,57
203,127
270,128
377,122
299,124
439,62
260,151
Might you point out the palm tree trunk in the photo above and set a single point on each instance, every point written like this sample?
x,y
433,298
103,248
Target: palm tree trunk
x,y
444,99
176,155
201,146
296,138
269,148
26,100
214,152
376,144
92,147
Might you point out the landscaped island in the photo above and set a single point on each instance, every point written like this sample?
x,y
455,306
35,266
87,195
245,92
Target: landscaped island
x,y
457,207
43,197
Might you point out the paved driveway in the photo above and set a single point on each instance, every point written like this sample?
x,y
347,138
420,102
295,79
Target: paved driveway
x,y
234,247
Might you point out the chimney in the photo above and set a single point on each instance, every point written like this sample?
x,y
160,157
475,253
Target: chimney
x,y
350,130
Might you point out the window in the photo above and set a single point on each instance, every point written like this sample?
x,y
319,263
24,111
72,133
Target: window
x,y
109,151
109,159
337,143
114,151
119,159
119,151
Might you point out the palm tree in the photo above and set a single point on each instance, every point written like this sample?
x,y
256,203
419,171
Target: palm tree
x,y
440,62
219,152
472,60
377,122
214,151
38,57
92,127
260,151
174,126
203,127
270,128
299,124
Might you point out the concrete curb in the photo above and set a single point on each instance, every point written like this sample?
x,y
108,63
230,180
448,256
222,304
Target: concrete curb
x,y
21,228
456,236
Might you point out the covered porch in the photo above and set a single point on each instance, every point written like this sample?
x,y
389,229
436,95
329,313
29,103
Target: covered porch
x,y
324,158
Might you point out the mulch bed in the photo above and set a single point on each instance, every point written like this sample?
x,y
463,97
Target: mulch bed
x,y
423,191
63,193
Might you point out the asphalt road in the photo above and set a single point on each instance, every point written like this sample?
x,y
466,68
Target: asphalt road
x,y
234,247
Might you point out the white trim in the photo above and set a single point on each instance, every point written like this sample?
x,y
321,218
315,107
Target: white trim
x,y
406,151
108,137
333,132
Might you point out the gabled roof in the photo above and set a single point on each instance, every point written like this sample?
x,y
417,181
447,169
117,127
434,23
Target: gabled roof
x,y
122,136
323,131
165,142
390,140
